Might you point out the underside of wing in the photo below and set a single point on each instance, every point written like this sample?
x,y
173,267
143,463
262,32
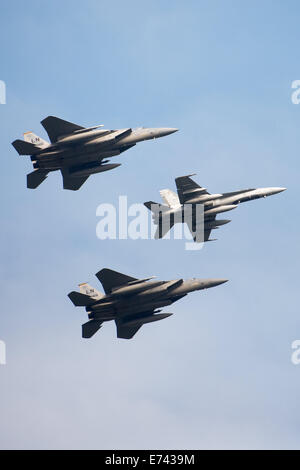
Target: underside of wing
x,y
73,182
56,127
187,189
111,279
126,331
128,326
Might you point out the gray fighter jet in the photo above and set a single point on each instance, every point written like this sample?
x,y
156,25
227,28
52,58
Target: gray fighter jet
x,y
77,151
182,207
131,302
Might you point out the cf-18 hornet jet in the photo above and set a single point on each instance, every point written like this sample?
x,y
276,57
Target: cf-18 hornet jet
x,y
182,207
78,152
131,302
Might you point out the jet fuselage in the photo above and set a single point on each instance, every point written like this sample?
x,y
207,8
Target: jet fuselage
x,y
131,302
78,152
148,296
214,204
93,146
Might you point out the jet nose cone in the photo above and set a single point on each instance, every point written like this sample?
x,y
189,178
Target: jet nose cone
x,y
279,190
166,131
271,191
207,283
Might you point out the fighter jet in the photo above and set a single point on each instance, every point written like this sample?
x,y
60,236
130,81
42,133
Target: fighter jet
x,y
131,302
182,207
78,151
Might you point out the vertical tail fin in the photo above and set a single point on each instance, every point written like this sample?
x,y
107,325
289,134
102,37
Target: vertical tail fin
x,y
36,140
86,289
170,198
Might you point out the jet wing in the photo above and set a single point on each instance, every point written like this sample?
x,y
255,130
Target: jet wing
x,y
111,279
127,328
126,331
73,182
187,189
197,231
56,127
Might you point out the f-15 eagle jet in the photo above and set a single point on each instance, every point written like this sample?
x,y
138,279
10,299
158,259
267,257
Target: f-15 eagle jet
x,y
78,152
131,302
189,195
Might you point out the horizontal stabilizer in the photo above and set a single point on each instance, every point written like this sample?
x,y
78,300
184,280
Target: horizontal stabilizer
x,y
25,148
80,300
36,177
90,328
155,207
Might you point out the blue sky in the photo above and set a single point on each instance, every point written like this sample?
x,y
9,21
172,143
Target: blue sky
x,y
218,373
